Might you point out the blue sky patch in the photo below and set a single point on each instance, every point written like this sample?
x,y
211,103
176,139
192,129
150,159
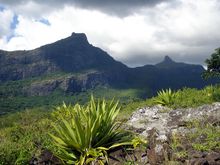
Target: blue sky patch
x,y
45,21
2,8
14,22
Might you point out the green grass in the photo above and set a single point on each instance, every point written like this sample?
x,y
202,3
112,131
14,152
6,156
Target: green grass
x,y
24,135
191,97
127,108
205,136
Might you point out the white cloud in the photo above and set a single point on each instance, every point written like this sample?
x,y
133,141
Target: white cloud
x,y
187,30
6,17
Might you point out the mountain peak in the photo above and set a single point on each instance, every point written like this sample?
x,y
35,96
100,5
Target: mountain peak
x,y
167,59
79,37
167,62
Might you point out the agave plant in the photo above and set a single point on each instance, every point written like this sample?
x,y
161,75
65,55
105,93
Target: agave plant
x,y
165,97
90,133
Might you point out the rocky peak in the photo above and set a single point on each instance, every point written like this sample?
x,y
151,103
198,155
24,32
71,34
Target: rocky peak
x,y
167,59
167,63
79,38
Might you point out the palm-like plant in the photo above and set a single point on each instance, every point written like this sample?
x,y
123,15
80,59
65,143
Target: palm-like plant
x,y
165,97
90,133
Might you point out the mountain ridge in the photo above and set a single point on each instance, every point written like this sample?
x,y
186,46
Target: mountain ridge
x,y
76,55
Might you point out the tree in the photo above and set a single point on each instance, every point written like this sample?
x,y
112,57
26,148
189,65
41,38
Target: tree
x,y
213,65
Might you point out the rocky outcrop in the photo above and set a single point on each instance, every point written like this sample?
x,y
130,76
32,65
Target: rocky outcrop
x,y
20,65
83,82
41,88
170,139
165,120
69,84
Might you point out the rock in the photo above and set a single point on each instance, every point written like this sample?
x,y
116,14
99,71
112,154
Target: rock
x,y
69,84
160,127
155,117
200,161
46,157
159,149
213,157
171,121
41,88
162,138
197,154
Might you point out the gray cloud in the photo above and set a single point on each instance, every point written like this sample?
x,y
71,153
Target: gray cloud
x,y
119,7
142,59
196,56
114,7
183,29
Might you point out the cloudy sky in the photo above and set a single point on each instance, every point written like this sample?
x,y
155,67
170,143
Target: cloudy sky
x,y
136,32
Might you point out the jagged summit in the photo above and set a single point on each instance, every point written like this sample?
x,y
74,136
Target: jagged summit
x,y
79,37
167,62
167,59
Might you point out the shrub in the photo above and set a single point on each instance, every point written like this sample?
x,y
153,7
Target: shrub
x,y
165,97
186,97
90,133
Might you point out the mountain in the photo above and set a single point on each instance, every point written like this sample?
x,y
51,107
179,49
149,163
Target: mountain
x,y
82,66
178,75
169,63
171,74
73,54
73,65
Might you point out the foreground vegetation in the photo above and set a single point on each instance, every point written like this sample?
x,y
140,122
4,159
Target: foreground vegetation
x,y
24,135
88,133
187,97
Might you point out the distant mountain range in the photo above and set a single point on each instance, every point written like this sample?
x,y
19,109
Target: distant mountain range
x,y
74,65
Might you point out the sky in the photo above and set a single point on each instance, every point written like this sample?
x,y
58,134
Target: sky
x,y
135,32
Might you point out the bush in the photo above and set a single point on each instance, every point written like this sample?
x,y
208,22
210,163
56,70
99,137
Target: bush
x,y
186,97
165,97
89,133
